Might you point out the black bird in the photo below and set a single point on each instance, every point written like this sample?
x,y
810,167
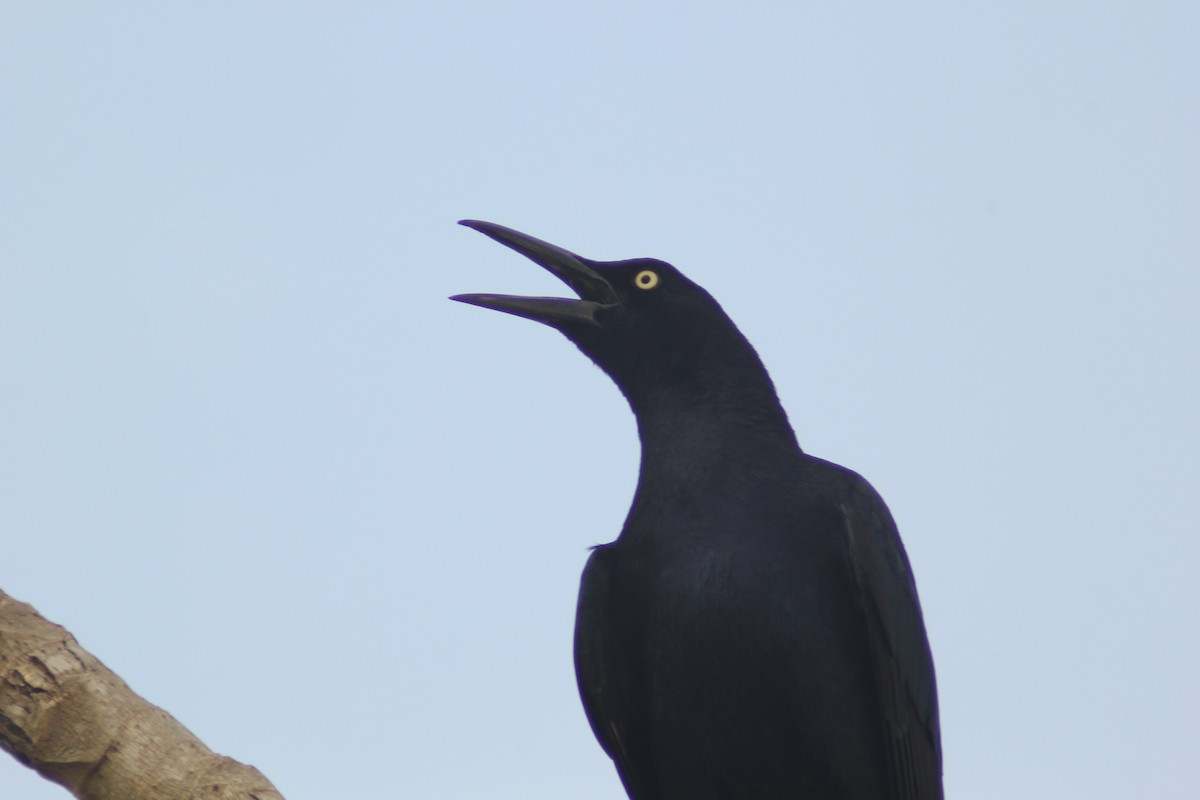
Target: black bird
x,y
754,632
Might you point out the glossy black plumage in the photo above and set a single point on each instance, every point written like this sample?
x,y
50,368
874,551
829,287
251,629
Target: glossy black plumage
x,y
754,631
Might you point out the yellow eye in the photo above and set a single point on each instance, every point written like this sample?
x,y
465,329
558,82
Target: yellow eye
x,y
646,279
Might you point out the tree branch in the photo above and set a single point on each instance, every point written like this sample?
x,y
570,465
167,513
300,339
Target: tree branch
x,y
67,716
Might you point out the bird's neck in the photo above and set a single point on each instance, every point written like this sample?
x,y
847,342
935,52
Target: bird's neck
x,y
699,437
714,427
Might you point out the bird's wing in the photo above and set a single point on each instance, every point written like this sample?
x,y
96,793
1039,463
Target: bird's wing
x,y
605,682
899,648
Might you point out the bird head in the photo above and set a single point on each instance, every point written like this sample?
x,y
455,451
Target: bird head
x,y
641,320
668,345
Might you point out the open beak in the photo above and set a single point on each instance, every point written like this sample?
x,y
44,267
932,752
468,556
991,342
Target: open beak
x,y
594,291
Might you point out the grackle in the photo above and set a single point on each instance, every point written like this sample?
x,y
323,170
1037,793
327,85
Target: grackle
x,y
754,632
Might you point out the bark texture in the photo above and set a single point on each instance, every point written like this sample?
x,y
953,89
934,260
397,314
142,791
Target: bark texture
x,y
66,715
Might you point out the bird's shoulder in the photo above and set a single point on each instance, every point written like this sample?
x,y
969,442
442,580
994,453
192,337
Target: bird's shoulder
x,y
866,523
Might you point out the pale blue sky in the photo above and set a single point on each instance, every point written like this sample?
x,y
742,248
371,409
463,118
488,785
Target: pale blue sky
x,y
253,458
